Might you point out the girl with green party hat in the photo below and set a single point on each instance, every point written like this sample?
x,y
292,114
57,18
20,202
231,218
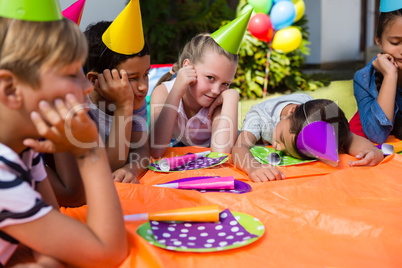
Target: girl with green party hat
x,y
193,103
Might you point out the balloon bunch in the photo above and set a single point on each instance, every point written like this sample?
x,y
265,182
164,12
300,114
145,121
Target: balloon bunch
x,y
272,21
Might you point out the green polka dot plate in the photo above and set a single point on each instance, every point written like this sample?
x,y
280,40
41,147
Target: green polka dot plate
x,y
239,230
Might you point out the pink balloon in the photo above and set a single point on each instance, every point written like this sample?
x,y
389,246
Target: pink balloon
x,y
260,27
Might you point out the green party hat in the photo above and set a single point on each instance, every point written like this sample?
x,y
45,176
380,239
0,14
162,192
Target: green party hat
x,y
38,10
229,37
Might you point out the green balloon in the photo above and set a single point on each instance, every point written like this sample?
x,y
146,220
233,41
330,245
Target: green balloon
x,y
261,6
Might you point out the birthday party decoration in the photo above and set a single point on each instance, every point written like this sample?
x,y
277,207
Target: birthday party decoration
x,y
266,155
318,140
390,5
260,26
210,160
74,12
397,146
233,230
125,34
240,187
216,183
386,148
261,6
300,8
230,36
287,40
191,214
275,24
274,158
171,163
283,14
39,10
246,8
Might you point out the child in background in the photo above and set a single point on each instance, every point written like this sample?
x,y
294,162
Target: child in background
x,y
197,108
42,90
118,103
378,86
118,65
119,73
279,121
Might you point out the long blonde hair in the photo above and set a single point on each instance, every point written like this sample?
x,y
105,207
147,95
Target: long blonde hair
x,y
29,48
194,51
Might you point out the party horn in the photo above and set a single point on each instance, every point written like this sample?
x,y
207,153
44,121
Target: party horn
x,y
386,148
217,183
397,146
274,158
167,164
192,214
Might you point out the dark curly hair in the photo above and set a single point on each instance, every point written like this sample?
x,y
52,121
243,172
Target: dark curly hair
x,y
100,57
321,110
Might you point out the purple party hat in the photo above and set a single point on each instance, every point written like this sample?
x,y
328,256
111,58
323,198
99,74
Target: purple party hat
x,y
318,140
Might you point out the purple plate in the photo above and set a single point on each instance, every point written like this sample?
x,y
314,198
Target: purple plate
x,y
228,231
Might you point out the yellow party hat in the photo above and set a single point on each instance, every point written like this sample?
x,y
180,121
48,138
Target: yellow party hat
x,y
125,34
39,10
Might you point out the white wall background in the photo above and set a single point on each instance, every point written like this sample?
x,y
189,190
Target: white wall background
x,y
97,10
313,13
334,28
370,23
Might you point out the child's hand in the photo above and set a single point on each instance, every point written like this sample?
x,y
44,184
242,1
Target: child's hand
x,y
124,175
66,128
114,88
229,95
186,76
368,157
266,172
385,64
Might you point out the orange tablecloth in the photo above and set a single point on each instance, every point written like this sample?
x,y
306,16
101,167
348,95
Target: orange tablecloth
x,y
319,217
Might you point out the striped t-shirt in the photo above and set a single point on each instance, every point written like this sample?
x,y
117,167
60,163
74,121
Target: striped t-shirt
x,y
19,202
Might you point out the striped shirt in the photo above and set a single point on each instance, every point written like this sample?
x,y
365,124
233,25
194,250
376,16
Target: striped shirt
x,y
19,202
